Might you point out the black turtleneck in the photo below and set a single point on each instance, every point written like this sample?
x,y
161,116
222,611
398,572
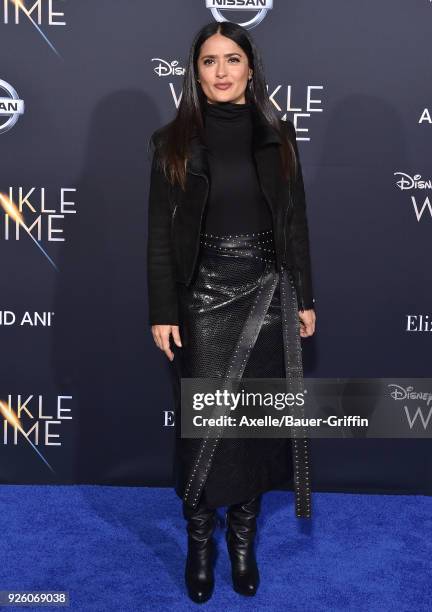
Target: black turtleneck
x,y
236,204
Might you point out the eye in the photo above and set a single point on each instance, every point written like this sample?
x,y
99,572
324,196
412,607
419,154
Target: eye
x,y
209,59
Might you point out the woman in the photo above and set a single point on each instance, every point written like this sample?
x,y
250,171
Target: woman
x,y
229,279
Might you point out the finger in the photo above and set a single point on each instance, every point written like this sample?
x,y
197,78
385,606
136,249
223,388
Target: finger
x,y
302,329
176,335
310,329
168,352
157,339
306,329
166,347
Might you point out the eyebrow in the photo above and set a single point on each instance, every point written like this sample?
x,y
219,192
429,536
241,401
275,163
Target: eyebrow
x,y
226,55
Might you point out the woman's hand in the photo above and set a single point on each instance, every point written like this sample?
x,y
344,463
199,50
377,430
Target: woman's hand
x,y
161,336
307,322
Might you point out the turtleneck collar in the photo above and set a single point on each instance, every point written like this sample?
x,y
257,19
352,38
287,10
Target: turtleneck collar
x,y
227,111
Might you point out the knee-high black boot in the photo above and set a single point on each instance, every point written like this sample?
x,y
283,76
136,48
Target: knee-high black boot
x,y
241,522
199,573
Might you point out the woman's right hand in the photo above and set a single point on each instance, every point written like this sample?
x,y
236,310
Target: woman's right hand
x,y
161,336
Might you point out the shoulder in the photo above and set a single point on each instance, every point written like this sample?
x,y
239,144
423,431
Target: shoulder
x,y
155,146
158,137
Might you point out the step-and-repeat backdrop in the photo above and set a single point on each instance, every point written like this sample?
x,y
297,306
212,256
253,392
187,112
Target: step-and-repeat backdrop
x,y
85,396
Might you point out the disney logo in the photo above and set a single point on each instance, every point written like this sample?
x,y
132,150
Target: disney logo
x,y
401,393
165,68
412,182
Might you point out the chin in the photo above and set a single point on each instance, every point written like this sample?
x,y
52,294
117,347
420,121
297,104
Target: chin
x,y
225,96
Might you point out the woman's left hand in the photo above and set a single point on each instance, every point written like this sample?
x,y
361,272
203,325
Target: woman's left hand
x,y
307,322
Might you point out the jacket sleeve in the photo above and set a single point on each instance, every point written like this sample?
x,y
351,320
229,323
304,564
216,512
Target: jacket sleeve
x,y
298,233
161,284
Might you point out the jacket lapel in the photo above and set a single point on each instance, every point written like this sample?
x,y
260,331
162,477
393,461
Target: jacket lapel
x,y
263,133
197,162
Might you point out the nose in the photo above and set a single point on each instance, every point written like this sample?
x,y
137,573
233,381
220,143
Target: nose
x,y
221,70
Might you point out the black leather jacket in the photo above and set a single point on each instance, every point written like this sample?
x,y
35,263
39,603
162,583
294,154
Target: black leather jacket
x,y
175,219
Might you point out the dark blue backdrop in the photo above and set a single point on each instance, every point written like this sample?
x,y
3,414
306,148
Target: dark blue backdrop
x,y
96,79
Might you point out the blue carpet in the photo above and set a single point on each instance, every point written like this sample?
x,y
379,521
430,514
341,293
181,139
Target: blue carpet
x,y
123,548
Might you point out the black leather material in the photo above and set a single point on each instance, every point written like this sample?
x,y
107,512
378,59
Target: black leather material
x,y
241,520
175,218
201,554
232,325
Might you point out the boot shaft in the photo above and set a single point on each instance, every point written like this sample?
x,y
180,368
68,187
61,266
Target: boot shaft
x,y
201,522
241,519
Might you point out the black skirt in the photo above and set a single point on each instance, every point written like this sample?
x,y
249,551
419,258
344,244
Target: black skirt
x,y
231,325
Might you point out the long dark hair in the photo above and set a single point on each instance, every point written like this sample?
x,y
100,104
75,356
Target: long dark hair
x,y
173,148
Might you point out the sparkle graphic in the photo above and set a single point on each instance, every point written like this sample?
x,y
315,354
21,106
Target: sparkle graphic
x,y
11,209
20,5
14,421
